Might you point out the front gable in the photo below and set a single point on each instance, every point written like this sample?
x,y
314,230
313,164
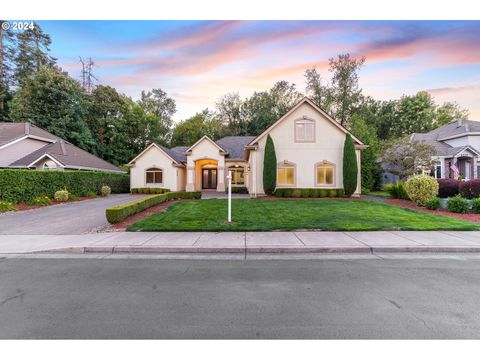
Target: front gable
x,y
205,148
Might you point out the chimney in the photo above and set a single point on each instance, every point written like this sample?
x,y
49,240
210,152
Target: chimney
x,y
459,122
62,146
27,128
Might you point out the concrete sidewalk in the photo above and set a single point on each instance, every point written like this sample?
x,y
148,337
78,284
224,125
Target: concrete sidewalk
x,y
245,243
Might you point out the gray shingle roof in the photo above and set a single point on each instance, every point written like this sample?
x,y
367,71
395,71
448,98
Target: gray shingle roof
x,y
235,145
176,153
10,131
69,155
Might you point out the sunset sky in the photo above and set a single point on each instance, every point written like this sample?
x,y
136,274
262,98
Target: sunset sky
x,y
196,62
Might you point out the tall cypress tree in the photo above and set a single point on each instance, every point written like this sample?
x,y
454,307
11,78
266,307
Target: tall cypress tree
x,y
350,166
269,167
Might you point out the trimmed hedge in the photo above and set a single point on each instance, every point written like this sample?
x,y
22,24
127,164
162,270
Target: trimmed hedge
x,y
470,189
22,186
448,187
421,188
237,190
309,193
118,213
458,204
147,190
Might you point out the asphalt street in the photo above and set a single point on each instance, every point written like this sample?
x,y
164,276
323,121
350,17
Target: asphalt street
x,y
272,299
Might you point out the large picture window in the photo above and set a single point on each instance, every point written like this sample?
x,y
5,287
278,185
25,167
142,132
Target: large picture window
x,y
154,176
305,130
238,175
325,174
286,174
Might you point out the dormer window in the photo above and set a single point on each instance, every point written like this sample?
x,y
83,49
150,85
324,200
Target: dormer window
x,y
305,130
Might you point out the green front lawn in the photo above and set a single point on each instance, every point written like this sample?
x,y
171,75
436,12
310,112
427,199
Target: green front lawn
x,y
266,215
379,193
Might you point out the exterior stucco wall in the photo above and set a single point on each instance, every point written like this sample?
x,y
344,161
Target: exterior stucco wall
x,y
52,164
16,151
154,158
204,150
328,146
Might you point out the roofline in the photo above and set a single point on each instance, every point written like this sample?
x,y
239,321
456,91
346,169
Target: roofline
x,y
471,148
189,150
146,149
49,156
296,106
14,141
459,135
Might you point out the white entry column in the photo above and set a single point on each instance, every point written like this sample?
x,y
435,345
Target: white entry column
x,y
190,178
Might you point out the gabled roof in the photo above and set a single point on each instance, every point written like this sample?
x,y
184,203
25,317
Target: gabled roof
x,y
310,102
205,137
68,155
170,153
15,131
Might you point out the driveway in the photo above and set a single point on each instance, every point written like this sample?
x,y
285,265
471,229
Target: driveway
x,y
71,218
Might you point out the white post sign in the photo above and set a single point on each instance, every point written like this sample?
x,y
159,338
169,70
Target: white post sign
x,y
229,177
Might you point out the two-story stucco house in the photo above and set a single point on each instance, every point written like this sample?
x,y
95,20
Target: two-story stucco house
x,y
308,144
457,145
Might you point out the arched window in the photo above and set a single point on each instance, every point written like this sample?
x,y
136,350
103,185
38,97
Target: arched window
x,y
325,174
305,130
238,175
49,165
286,174
154,176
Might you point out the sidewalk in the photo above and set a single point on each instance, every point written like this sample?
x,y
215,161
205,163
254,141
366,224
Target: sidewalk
x,y
370,242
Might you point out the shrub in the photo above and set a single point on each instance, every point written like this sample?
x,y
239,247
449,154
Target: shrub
x,y
311,193
118,213
457,204
91,194
470,189
421,188
106,190
7,206
476,205
40,201
61,195
397,191
448,187
350,167
269,167
149,190
237,190
73,197
433,203
22,186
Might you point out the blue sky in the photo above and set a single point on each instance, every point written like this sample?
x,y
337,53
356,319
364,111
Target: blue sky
x,y
196,62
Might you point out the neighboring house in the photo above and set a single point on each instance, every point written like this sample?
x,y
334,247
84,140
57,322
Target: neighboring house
x,y
308,144
456,143
26,146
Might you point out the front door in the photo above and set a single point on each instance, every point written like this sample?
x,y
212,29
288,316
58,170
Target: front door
x,y
209,178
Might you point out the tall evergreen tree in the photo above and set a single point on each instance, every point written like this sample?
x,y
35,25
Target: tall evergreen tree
x,y
7,52
350,166
269,167
32,53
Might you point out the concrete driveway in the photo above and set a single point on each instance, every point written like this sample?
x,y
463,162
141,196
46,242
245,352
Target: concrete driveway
x,y
70,218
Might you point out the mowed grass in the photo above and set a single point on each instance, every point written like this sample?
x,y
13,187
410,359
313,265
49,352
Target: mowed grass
x,y
267,215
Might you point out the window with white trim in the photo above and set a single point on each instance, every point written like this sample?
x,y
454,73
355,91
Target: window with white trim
x,y
154,176
238,175
325,174
286,175
438,169
305,130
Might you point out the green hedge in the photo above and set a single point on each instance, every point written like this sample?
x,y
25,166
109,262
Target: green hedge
x,y
237,190
19,186
147,190
309,193
118,213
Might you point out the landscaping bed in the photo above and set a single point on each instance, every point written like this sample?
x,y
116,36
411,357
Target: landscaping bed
x,y
287,215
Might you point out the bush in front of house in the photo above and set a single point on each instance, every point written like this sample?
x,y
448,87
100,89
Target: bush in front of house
x,y
457,204
91,194
61,195
119,213
106,190
421,188
397,191
7,206
22,186
350,166
433,203
269,167
309,193
237,190
470,189
448,187
147,190
476,205
40,201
